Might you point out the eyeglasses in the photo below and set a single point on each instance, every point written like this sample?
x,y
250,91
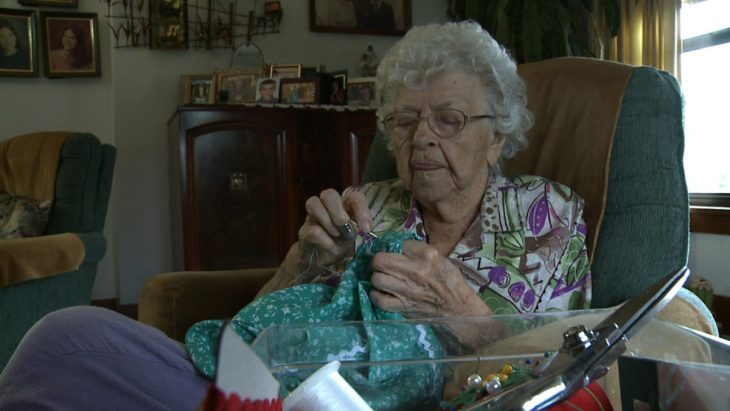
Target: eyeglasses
x,y
445,122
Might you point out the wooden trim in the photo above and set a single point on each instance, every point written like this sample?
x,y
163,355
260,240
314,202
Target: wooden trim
x,y
712,220
108,303
721,311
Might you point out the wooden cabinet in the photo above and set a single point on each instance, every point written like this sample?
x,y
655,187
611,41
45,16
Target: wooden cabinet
x,y
240,176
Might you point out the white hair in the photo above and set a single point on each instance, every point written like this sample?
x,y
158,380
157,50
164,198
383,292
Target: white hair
x,y
427,51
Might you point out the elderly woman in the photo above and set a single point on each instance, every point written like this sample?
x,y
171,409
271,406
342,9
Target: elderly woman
x,y
452,107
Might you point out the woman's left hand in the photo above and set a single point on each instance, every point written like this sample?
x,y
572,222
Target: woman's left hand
x,y
422,283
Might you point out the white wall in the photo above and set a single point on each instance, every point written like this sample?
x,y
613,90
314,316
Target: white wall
x,y
708,257
129,107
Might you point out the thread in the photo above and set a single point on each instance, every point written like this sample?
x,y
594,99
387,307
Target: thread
x,y
325,390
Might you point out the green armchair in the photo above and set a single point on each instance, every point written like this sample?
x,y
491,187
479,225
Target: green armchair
x,y
56,269
610,131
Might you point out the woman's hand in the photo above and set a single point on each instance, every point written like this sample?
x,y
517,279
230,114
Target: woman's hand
x,y
422,283
325,214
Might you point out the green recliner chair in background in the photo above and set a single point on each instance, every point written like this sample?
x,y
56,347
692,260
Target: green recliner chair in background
x,y
612,132
56,269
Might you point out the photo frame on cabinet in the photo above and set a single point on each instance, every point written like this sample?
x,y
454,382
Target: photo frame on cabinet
x,y
267,90
236,86
197,89
299,91
168,24
361,92
51,3
70,44
18,51
384,17
338,94
285,70
312,70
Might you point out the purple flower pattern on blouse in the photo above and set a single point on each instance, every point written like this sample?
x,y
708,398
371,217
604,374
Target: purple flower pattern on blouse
x,y
537,215
516,290
499,276
528,300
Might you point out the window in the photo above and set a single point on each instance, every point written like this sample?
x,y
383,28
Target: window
x,y
705,76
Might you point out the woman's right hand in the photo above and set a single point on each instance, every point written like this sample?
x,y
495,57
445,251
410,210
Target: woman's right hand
x,y
325,214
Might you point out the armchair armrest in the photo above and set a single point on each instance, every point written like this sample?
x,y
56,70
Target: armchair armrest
x,y
172,302
688,310
20,257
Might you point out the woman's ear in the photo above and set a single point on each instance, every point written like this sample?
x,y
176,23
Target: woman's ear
x,y
494,151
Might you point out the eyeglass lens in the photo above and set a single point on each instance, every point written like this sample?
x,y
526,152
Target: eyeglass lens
x,y
444,123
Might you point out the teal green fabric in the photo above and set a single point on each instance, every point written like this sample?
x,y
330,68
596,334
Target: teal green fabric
x,y
645,232
83,185
76,184
383,387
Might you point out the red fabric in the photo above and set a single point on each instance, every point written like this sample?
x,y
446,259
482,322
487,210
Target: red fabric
x,y
590,398
215,400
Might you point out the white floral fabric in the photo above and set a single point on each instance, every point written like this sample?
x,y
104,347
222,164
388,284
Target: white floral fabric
x,y
525,250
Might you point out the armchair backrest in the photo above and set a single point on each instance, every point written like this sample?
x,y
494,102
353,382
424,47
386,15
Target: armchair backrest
x,y
83,185
614,134
72,169
29,163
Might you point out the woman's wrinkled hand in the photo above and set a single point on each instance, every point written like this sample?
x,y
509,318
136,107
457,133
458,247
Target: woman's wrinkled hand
x,y
320,232
422,283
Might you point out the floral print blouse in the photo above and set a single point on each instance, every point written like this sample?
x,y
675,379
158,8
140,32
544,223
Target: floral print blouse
x,y
525,250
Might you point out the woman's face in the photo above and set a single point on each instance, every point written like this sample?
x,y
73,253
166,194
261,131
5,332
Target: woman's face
x,y
436,168
8,41
68,40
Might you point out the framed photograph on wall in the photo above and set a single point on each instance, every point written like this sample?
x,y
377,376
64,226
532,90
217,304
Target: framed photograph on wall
x,y
197,89
168,24
386,17
70,44
18,52
285,70
236,86
53,3
361,92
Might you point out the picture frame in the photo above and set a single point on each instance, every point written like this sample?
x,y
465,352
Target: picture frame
x,y
52,3
381,17
283,71
300,90
361,92
197,89
168,24
70,44
236,86
267,90
338,94
21,58
312,70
